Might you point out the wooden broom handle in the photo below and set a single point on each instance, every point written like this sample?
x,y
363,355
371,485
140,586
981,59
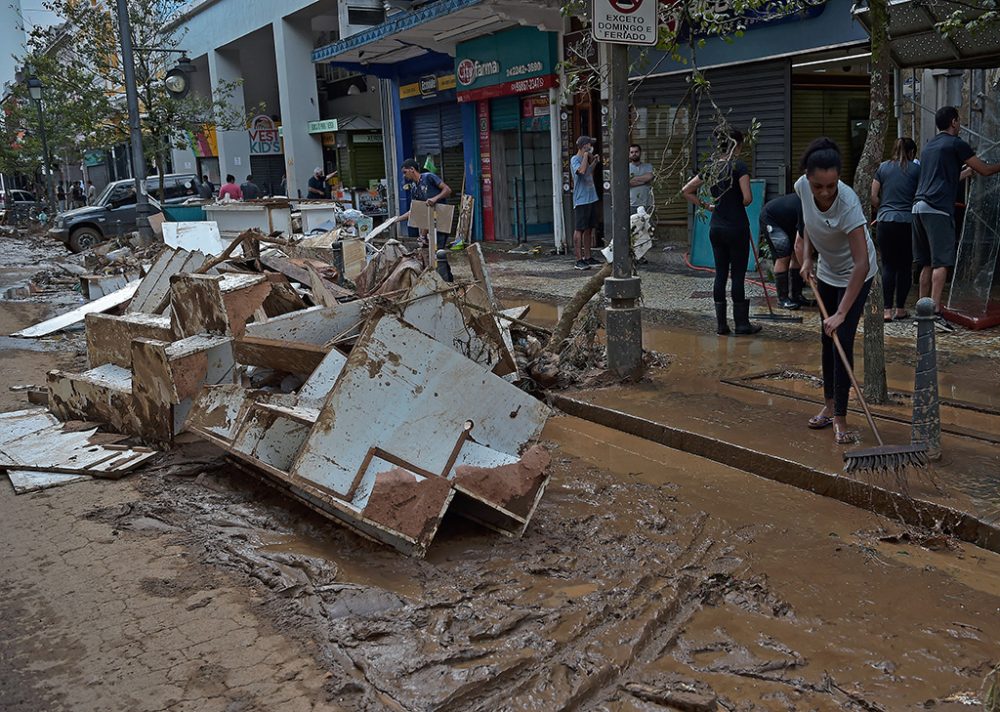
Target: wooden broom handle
x,y
843,357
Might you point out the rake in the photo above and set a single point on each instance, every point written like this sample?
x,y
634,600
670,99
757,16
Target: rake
x,y
883,458
770,316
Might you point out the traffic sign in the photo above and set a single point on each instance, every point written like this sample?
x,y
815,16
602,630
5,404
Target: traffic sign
x,y
631,22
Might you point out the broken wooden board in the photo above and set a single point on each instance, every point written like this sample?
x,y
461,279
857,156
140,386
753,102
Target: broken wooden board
x,y
279,354
353,253
34,440
24,481
75,316
298,273
196,305
156,284
317,325
101,395
109,337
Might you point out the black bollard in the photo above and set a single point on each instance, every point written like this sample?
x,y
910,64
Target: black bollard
x,y
926,405
443,268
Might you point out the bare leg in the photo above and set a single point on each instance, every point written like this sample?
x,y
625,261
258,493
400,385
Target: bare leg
x,y
939,275
588,243
925,282
781,264
578,238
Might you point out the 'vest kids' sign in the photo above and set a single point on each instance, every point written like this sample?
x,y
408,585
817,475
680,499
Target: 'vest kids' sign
x,y
264,137
516,61
625,21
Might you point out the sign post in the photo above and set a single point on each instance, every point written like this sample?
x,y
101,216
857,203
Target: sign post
x,y
621,23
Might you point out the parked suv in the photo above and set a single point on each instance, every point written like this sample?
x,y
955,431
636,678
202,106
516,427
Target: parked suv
x,y
18,205
113,213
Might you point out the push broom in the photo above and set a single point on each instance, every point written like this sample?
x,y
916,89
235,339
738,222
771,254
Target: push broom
x,y
770,316
883,458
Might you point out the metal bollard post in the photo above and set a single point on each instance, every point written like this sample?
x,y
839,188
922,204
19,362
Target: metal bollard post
x,y
926,405
443,268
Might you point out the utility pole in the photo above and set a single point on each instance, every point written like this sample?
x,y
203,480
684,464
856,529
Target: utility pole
x,y
622,24
35,92
134,130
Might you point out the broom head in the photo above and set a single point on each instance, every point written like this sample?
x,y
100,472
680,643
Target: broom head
x,y
886,458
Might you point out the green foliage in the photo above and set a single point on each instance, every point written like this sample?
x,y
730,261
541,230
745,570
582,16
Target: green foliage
x,y
85,104
970,16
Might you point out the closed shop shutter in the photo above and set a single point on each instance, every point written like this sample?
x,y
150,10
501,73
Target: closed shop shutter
x,y
661,129
758,91
267,172
451,125
426,131
345,167
505,113
369,164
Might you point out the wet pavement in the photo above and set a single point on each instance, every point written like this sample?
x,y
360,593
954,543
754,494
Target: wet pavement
x,y
648,579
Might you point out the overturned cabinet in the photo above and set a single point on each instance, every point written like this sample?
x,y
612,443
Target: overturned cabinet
x,y
389,438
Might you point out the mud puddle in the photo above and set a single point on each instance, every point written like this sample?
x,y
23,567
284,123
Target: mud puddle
x,y
646,573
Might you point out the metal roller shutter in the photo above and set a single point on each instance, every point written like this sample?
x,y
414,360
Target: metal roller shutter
x,y
505,113
661,128
758,91
425,127
368,163
267,172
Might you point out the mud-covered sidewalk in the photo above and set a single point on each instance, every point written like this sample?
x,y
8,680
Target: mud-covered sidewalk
x,y
649,579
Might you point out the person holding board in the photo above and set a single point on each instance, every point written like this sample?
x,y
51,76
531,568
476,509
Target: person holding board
x,y
834,225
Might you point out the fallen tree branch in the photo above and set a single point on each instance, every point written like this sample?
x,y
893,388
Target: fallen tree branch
x,y
575,306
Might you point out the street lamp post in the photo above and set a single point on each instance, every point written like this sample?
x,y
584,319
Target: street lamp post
x,y
35,91
135,132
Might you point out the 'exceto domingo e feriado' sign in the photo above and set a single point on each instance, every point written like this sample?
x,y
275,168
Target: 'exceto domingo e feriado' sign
x,y
625,21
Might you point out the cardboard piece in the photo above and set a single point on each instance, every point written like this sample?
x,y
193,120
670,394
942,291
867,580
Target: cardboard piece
x,y
420,216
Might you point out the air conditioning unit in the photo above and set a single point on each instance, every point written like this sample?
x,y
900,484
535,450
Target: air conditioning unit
x,y
359,15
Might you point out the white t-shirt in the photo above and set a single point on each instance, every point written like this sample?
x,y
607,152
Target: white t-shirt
x,y
828,233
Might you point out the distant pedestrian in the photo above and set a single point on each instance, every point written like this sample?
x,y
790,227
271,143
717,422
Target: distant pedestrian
x,y
319,187
250,189
728,229
834,224
205,191
583,163
424,187
934,240
206,181
283,187
893,189
61,195
91,192
230,189
640,181
76,194
779,221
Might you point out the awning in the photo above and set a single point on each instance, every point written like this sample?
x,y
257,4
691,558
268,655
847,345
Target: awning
x,y
355,122
437,27
915,42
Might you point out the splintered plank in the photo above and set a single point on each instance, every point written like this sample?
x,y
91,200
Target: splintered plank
x,y
287,356
75,316
156,284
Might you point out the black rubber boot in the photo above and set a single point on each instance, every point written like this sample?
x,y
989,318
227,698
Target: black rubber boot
x,y
781,282
720,317
797,285
741,317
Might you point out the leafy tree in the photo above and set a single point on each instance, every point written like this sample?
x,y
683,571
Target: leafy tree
x,y
94,49
880,111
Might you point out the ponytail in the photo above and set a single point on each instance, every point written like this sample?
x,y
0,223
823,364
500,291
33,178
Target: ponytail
x,y
904,151
822,154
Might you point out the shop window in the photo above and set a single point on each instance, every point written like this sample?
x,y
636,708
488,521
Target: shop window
x,y
365,15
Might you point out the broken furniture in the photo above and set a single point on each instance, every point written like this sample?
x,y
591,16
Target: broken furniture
x,y
409,428
268,216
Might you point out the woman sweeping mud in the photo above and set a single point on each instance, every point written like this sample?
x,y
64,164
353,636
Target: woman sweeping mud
x,y
834,226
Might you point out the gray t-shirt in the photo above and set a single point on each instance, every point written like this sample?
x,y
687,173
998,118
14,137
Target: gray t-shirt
x,y
941,163
828,232
584,191
640,194
899,185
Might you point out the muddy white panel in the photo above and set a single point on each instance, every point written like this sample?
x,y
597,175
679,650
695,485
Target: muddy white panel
x,y
57,449
202,236
315,325
411,395
217,411
24,481
75,316
320,382
270,438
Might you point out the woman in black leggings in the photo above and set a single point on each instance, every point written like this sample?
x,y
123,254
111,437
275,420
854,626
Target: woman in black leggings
x,y
834,225
728,230
893,189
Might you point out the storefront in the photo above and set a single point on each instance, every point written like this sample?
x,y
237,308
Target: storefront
x,y
267,155
509,76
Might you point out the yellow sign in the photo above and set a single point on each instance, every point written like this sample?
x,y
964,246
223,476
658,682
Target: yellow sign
x,y
444,83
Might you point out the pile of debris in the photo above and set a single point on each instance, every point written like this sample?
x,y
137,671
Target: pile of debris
x,y
381,401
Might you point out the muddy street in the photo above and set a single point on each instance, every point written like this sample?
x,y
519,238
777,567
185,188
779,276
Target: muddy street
x,y
648,579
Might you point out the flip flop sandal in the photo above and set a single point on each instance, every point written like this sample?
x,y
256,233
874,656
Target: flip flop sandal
x,y
887,319
901,317
818,422
845,437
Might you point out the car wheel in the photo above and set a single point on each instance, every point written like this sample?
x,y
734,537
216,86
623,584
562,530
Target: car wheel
x,y
84,238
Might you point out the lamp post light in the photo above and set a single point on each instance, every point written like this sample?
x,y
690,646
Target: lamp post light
x,y
35,92
135,131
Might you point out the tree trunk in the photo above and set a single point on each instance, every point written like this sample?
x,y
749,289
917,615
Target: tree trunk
x,y
875,390
575,306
